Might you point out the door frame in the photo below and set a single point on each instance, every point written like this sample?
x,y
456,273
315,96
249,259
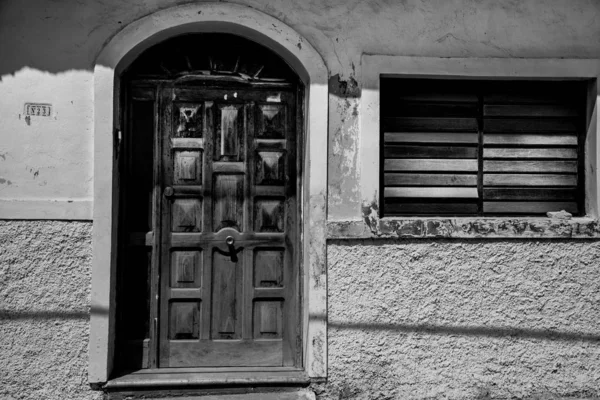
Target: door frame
x,y
113,59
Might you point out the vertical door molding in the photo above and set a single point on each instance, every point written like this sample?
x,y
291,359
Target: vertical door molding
x,y
117,54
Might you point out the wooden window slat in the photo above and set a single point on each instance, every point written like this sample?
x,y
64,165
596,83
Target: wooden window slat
x,y
426,164
434,124
523,110
563,153
534,140
432,192
526,207
529,180
528,194
530,166
429,110
532,125
430,152
431,208
400,179
429,137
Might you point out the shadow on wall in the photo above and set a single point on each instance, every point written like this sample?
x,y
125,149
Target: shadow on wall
x,y
6,315
58,36
485,331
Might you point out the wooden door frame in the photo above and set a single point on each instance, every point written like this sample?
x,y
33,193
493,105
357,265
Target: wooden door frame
x,y
113,59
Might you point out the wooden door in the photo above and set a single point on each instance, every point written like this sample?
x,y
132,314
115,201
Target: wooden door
x,y
229,228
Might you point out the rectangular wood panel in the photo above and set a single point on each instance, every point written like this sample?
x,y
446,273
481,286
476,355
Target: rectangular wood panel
x,y
527,110
429,152
184,320
528,194
186,215
429,124
187,120
530,166
268,267
245,353
226,304
270,168
431,208
562,153
430,137
271,121
526,207
400,179
529,125
425,164
529,139
229,133
414,109
186,269
529,180
268,319
433,192
188,167
228,201
269,215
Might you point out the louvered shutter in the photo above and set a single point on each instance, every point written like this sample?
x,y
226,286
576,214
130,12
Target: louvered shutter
x,y
471,147
531,147
430,147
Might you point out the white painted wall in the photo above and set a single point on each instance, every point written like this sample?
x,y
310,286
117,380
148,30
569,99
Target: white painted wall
x,y
47,50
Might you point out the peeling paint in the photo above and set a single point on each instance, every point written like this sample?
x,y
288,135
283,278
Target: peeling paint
x,y
317,355
340,88
370,213
428,228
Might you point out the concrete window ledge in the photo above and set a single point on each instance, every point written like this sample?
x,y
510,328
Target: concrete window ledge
x,y
465,228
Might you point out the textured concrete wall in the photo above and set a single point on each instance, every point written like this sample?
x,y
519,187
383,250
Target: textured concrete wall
x,y
463,319
44,310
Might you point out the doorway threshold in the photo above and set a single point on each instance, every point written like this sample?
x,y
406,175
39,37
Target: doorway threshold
x,y
205,377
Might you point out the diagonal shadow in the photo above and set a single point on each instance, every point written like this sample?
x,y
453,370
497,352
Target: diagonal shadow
x,y
485,331
54,314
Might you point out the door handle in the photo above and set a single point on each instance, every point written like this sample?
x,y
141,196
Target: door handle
x,y
229,241
168,193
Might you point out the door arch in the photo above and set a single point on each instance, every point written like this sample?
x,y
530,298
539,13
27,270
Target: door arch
x,y
114,58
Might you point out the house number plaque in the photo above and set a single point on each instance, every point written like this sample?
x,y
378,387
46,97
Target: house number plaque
x,y
38,110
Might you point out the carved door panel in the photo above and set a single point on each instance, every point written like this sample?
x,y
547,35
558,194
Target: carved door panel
x,y
229,252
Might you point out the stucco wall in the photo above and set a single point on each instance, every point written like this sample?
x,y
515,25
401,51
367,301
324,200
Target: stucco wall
x,y
44,310
463,319
48,50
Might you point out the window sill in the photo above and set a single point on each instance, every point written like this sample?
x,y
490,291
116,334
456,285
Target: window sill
x,y
465,228
188,378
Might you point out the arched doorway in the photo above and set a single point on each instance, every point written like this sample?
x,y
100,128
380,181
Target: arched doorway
x,y
113,59
210,171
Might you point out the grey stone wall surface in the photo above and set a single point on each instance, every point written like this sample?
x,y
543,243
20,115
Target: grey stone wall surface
x,y
45,275
466,319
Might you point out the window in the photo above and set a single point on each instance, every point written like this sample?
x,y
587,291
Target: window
x,y
481,147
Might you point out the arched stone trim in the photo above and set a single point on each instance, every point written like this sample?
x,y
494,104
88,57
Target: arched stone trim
x,y
116,55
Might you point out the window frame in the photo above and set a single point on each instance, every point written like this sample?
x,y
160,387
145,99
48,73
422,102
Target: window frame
x,y
375,67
